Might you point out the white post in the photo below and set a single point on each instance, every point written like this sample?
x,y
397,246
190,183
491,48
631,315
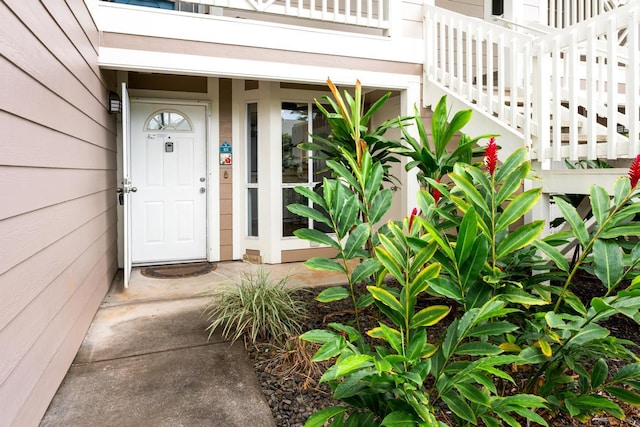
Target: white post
x,y
410,98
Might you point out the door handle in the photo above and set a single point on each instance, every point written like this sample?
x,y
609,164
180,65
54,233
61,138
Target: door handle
x,y
202,189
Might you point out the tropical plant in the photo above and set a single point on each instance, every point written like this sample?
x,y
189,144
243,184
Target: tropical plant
x,y
480,249
351,133
258,308
519,337
350,206
435,161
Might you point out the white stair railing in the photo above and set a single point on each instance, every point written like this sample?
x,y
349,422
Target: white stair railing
x,y
572,94
484,64
564,13
588,85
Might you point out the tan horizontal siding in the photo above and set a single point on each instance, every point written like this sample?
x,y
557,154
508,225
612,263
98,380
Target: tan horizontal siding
x,y
37,19
473,8
35,232
30,99
56,347
44,67
36,188
34,145
58,238
33,318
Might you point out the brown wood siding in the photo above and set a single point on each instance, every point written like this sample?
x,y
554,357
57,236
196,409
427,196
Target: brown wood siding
x,y
466,7
226,173
58,229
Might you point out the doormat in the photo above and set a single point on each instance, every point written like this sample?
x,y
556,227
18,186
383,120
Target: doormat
x,y
178,271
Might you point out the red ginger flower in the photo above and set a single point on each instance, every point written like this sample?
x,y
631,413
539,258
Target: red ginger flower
x,y
414,212
491,156
436,193
634,171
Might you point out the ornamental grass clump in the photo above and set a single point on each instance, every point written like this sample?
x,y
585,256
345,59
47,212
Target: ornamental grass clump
x,y
258,308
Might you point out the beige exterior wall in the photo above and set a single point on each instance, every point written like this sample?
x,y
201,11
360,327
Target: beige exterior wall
x,y
57,180
473,8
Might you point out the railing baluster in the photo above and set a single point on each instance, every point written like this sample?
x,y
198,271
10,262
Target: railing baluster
x,y
459,57
574,88
612,88
556,121
633,83
489,73
592,140
469,62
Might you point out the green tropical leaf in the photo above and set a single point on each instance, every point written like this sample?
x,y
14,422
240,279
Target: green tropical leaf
x,y
530,415
429,316
512,183
321,417
520,205
571,215
319,336
599,373
335,293
308,212
466,236
389,263
607,259
492,329
473,393
329,350
621,188
417,344
421,282
365,269
310,194
599,203
478,349
630,371
593,403
510,164
347,213
591,332
458,406
471,269
325,264
353,248
393,248
621,231
386,298
471,192
625,395
554,254
316,236
520,238
399,419
380,205
352,363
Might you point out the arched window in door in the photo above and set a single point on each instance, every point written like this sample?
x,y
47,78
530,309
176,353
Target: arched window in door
x,y
168,120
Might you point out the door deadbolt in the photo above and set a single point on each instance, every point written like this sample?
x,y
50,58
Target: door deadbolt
x,y
202,189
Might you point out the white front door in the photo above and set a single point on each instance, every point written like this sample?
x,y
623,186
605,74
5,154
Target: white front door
x,y
168,176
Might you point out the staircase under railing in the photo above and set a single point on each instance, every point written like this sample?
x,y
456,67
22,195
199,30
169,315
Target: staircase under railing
x,y
569,95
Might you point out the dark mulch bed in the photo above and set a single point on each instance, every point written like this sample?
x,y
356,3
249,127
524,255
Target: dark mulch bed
x,y
289,379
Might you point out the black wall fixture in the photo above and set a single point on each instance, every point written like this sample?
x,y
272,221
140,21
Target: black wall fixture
x,y
497,7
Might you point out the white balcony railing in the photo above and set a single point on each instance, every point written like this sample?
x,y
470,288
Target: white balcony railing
x,y
372,14
564,13
572,94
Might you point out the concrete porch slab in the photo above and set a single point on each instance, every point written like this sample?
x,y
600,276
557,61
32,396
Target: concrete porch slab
x,y
209,385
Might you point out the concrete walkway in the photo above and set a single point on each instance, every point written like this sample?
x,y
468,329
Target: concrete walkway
x,y
147,360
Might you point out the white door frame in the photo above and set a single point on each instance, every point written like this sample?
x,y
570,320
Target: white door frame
x,y
212,169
